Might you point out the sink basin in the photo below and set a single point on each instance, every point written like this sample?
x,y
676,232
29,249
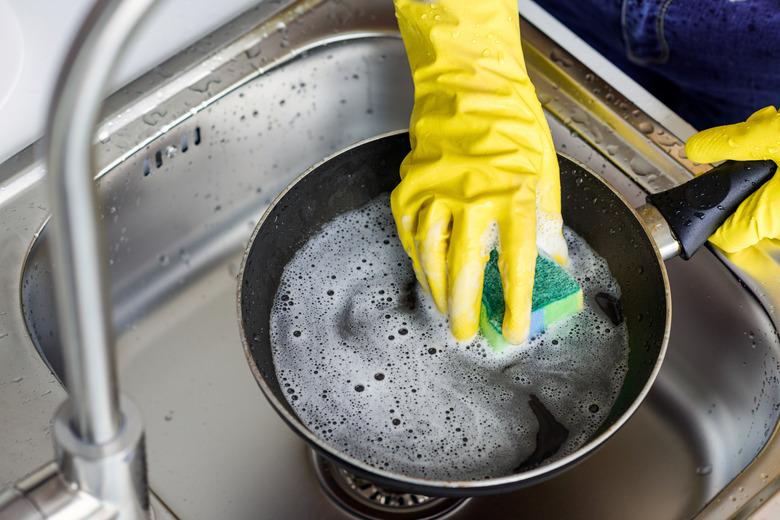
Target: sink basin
x,y
178,212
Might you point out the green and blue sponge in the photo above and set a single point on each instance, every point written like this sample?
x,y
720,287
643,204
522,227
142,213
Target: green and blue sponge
x,y
556,296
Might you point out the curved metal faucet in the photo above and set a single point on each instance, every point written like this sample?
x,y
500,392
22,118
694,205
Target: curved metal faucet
x,y
100,469
78,258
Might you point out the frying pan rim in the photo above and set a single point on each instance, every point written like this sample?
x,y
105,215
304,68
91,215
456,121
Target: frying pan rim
x,y
507,481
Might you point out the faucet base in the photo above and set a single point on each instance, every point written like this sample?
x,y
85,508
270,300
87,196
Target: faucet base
x,y
87,481
114,473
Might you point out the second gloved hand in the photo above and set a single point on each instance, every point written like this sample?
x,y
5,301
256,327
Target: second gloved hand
x,y
482,166
758,138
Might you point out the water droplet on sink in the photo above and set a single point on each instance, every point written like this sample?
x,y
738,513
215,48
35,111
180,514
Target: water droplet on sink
x,y
560,59
640,166
704,470
665,139
203,86
153,117
579,117
645,127
184,256
18,380
253,52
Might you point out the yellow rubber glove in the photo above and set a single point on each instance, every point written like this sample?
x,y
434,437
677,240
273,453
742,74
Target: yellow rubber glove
x,y
482,164
758,138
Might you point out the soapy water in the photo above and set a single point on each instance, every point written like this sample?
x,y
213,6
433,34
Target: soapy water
x,y
370,366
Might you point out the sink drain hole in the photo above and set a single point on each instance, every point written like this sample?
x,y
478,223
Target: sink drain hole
x,y
368,500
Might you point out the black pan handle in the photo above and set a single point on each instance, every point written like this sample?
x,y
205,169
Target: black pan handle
x,y
694,210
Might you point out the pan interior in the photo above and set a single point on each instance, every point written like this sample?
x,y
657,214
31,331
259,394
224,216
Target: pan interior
x,y
369,364
591,209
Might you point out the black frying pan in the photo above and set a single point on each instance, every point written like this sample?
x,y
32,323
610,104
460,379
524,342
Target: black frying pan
x,y
352,178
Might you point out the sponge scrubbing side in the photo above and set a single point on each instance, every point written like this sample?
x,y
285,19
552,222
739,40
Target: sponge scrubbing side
x,y
556,296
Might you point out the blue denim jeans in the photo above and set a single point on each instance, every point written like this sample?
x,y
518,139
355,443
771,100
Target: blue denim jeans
x,y
711,61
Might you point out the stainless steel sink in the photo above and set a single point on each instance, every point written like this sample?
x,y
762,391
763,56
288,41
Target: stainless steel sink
x,y
191,161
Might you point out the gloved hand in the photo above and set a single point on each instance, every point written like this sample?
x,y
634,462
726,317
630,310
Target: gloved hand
x,y
758,138
482,164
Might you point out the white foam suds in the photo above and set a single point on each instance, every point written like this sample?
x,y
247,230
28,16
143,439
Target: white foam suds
x,y
369,365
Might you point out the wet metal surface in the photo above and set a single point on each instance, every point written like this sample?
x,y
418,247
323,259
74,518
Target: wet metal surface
x,y
178,213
